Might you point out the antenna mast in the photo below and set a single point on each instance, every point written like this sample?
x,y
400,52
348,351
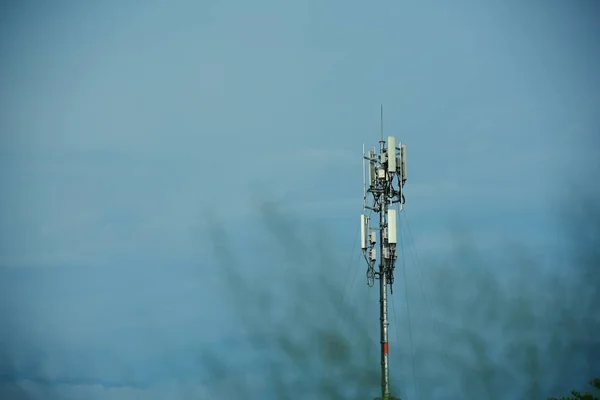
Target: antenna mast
x,y
386,175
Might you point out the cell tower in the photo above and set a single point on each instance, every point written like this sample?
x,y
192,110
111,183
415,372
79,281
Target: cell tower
x,y
384,175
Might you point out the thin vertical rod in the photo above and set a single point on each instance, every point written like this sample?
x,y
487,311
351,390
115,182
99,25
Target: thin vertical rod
x,y
381,121
364,180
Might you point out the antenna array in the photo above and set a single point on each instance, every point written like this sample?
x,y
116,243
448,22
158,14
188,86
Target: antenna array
x,y
384,176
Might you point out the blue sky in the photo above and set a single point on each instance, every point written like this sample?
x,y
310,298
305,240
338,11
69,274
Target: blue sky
x,y
124,126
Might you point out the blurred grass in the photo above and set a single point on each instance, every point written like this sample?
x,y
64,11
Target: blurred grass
x,y
529,338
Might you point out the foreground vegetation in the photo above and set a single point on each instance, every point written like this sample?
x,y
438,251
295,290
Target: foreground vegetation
x,y
582,396
474,335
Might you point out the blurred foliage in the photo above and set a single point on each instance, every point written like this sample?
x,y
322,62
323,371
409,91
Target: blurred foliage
x,y
582,396
480,331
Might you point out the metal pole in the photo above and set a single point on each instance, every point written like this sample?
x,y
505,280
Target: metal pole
x,y
381,187
383,312
383,247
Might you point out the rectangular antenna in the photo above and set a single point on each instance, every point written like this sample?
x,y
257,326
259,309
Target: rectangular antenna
x,y
363,231
403,161
371,169
392,226
391,151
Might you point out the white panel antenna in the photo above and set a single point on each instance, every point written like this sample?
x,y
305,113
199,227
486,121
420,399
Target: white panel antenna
x,y
372,237
364,226
372,175
391,151
403,161
392,232
383,157
364,179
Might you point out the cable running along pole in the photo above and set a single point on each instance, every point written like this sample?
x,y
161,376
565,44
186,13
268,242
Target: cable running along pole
x,y
386,175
